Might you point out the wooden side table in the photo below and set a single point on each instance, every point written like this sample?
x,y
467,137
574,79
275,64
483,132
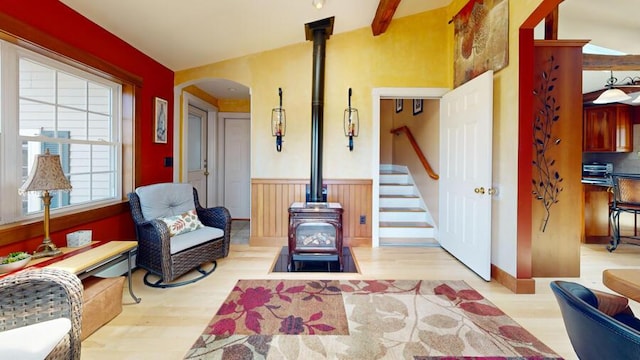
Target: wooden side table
x,y
623,281
92,259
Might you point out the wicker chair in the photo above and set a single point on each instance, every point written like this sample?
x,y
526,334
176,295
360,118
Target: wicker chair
x,y
39,294
157,248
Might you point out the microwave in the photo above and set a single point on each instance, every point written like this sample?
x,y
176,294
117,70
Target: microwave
x,y
597,173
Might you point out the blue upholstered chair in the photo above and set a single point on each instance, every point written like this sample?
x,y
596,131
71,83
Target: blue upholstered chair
x,y
594,334
165,249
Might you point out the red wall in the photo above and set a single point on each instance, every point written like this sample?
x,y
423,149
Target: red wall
x,y
63,23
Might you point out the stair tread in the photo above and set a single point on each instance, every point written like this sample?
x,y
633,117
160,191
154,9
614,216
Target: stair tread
x,y
399,196
392,172
404,224
402,209
395,184
417,241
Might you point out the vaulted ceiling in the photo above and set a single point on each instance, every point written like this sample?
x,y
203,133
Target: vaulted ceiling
x,y
186,34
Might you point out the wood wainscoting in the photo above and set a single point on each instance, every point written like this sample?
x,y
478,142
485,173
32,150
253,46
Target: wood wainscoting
x,y
271,198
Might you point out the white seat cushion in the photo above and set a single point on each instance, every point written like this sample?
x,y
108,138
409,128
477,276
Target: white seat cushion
x,y
33,341
193,238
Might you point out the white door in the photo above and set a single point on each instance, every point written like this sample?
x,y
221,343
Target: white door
x,y
466,126
197,152
237,167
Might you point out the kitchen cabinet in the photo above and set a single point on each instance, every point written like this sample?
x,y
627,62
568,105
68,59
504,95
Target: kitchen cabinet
x,y
596,214
607,128
596,227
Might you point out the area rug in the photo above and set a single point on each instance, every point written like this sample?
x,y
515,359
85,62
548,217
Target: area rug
x,y
362,319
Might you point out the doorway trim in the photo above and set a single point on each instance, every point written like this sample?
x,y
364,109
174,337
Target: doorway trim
x,y
221,153
378,94
179,147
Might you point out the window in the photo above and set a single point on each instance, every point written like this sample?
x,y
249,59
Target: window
x,y
49,105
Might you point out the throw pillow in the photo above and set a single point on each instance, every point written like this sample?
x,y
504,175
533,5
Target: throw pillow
x,y
183,223
610,304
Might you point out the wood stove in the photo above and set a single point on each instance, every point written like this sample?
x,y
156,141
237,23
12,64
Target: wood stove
x,y
315,227
315,233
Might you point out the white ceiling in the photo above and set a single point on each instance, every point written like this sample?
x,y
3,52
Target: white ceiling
x,y
607,23
186,34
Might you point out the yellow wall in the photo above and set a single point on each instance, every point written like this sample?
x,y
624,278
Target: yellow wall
x,y
223,105
409,54
234,105
201,94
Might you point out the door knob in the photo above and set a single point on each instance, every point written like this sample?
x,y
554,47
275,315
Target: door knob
x,y
479,190
492,191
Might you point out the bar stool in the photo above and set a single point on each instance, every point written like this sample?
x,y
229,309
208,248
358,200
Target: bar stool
x,y
626,199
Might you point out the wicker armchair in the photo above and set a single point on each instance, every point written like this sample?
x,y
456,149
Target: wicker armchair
x,y
35,295
158,252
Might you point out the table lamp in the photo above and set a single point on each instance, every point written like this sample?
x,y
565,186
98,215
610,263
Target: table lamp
x,y
46,175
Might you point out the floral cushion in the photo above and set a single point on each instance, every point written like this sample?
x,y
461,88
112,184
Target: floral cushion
x,y
183,223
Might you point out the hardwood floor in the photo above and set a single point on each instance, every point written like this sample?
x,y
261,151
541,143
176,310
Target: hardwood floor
x,y
167,321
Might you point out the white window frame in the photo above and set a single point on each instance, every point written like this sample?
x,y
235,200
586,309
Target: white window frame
x,y
11,142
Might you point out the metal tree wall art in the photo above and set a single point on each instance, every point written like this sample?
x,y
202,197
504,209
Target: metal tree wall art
x,y
546,179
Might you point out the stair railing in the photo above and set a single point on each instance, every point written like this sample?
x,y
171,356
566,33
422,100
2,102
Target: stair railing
x,y
416,148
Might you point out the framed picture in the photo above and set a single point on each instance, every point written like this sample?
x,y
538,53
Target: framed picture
x,y
481,39
417,106
399,105
160,121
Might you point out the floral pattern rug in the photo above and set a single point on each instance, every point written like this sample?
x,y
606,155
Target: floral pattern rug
x,y
362,319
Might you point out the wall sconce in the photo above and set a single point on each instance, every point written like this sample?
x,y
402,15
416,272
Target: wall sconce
x,y
351,123
278,122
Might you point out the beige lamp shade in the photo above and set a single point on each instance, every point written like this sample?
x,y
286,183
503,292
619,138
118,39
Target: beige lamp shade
x,y
611,96
46,175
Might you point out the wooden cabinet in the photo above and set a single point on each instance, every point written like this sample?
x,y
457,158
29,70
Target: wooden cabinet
x,y
596,214
607,128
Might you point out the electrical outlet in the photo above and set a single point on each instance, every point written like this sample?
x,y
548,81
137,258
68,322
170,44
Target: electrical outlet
x,y
363,219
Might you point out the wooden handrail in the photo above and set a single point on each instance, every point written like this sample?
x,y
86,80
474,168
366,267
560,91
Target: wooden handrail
x,y
416,148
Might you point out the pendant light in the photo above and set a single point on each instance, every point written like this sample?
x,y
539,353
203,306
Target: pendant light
x,y
611,95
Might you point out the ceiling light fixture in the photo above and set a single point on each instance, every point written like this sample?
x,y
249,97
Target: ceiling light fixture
x,y
318,4
612,95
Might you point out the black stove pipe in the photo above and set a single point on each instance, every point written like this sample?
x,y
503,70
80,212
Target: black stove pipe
x,y
318,31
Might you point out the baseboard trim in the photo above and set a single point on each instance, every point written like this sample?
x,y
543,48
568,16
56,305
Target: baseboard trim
x,y
517,286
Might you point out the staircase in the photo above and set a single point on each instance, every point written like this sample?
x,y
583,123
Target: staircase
x,y
404,218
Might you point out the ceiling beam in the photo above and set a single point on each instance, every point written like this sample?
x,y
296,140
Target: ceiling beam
x,y
610,62
384,14
551,25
